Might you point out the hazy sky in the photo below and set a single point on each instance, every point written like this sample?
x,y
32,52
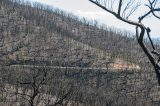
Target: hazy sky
x,y
87,9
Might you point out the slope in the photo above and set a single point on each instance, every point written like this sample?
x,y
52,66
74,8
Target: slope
x,y
46,36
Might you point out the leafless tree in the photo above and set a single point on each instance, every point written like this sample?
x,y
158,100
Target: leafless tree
x,y
126,8
37,81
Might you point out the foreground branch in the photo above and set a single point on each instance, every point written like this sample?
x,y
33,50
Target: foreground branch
x,y
140,35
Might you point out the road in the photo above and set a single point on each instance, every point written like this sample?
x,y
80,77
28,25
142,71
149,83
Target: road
x,y
77,68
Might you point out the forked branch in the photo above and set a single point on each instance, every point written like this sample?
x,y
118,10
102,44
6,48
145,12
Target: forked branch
x,y
140,35
153,7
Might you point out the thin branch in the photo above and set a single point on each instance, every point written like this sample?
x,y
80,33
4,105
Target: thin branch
x,y
156,53
119,7
103,7
126,8
148,33
61,100
153,12
22,95
132,11
145,15
112,2
117,16
152,8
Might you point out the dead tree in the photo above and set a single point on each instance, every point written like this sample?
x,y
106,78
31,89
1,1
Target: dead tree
x,y
37,80
125,8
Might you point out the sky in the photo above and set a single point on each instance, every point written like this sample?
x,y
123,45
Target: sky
x,y
84,8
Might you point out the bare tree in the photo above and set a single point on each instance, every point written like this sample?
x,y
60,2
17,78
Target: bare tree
x,y
38,79
125,8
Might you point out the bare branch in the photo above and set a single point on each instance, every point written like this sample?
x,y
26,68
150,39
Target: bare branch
x,y
128,5
103,7
148,33
119,7
22,94
132,10
117,16
61,100
144,16
128,10
153,8
112,2
153,12
156,53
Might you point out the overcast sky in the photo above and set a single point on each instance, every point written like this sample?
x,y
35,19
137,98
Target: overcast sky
x,y
86,9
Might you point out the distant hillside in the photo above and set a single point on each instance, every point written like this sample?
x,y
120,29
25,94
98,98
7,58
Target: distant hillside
x,y
52,36
45,52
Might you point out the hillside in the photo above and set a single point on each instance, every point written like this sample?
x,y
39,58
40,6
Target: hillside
x,y
48,56
57,39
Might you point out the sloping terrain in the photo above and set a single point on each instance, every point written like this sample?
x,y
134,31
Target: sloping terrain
x,y
37,35
33,35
